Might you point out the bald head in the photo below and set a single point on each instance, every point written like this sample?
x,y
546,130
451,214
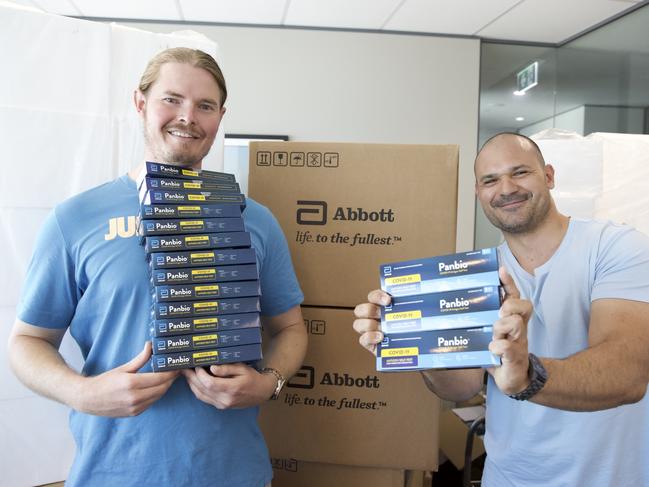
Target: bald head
x,y
509,141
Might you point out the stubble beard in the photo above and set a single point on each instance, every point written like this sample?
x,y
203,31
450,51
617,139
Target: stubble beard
x,y
161,153
530,221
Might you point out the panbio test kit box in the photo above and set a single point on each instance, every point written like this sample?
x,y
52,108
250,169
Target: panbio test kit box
x,y
466,308
339,410
443,273
349,206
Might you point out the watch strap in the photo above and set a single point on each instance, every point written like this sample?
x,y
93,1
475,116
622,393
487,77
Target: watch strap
x,y
280,380
538,377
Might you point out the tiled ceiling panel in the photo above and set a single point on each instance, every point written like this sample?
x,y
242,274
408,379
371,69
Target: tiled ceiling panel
x,y
234,11
130,9
357,14
552,20
61,7
448,16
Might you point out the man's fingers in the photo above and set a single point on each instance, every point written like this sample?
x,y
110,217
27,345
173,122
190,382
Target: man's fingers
x,y
510,327
363,325
379,297
515,306
139,361
511,291
368,310
229,370
154,379
370,340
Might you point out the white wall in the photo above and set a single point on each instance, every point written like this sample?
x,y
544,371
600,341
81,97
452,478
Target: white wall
x,y
316,85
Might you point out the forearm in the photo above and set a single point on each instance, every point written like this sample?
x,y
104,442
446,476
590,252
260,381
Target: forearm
x,y
454,385
600,377
286,349
41,368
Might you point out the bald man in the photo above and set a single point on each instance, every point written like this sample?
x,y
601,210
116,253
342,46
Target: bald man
x,y
569,404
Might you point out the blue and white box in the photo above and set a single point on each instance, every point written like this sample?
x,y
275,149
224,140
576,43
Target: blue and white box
x,y
201,258
203,324
184,343
200,358
437,349
157,169
195,275
190,211
210,290
184,309
463,270
198,241
466,308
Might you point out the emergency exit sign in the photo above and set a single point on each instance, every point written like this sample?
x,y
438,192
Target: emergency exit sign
x,y
528,77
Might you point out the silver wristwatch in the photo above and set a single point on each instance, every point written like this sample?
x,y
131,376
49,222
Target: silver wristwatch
x,y
538,377
280,380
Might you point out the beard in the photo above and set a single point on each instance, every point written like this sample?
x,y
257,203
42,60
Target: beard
x,y
182,155
525,219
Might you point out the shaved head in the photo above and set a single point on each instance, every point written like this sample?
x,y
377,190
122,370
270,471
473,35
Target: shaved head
x,y
513,183
522,141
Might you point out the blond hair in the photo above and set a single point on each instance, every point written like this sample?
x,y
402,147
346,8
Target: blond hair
x,y
184,55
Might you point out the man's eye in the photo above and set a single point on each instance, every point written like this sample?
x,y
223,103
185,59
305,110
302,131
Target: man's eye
x,y
170,100
520,173
207,107
488,182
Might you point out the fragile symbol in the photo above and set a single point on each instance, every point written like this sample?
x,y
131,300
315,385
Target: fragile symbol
x,y
280,159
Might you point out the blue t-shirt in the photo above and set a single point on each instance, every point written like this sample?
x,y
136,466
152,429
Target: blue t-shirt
x,y
89,272
532,445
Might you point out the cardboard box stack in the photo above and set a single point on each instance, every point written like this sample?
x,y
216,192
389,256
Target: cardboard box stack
x,y
442,312
204,277
345,209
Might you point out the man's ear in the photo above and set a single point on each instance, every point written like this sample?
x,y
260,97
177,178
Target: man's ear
x,y
549,175
139,99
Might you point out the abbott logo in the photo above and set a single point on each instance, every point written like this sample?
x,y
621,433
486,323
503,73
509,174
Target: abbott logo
x,y
312,213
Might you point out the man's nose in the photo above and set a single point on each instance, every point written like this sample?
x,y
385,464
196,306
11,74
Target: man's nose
x,y
507,186
186,114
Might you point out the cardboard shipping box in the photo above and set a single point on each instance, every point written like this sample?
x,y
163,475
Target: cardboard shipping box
x,y
338,409
297,473
453,438
347,208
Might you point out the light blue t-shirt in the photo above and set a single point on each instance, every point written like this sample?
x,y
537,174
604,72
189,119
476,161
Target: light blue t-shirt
x,y
89,272
532,445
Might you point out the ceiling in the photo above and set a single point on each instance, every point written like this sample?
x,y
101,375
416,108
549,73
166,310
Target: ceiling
x,y
539,21
609,66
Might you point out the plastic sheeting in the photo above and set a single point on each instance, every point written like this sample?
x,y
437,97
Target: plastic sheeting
x,y
603,176
67,123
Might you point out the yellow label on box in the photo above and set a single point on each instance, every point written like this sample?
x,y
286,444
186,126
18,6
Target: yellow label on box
x,y
400,352
202,255
189,172
206,304
189,208
192,185
203,338
198,239
210,354
206,321
200,289
412,278
203,272
404,315
196,197
191,223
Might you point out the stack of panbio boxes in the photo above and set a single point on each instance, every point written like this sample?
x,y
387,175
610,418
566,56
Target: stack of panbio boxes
x,y
205,282
442,312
